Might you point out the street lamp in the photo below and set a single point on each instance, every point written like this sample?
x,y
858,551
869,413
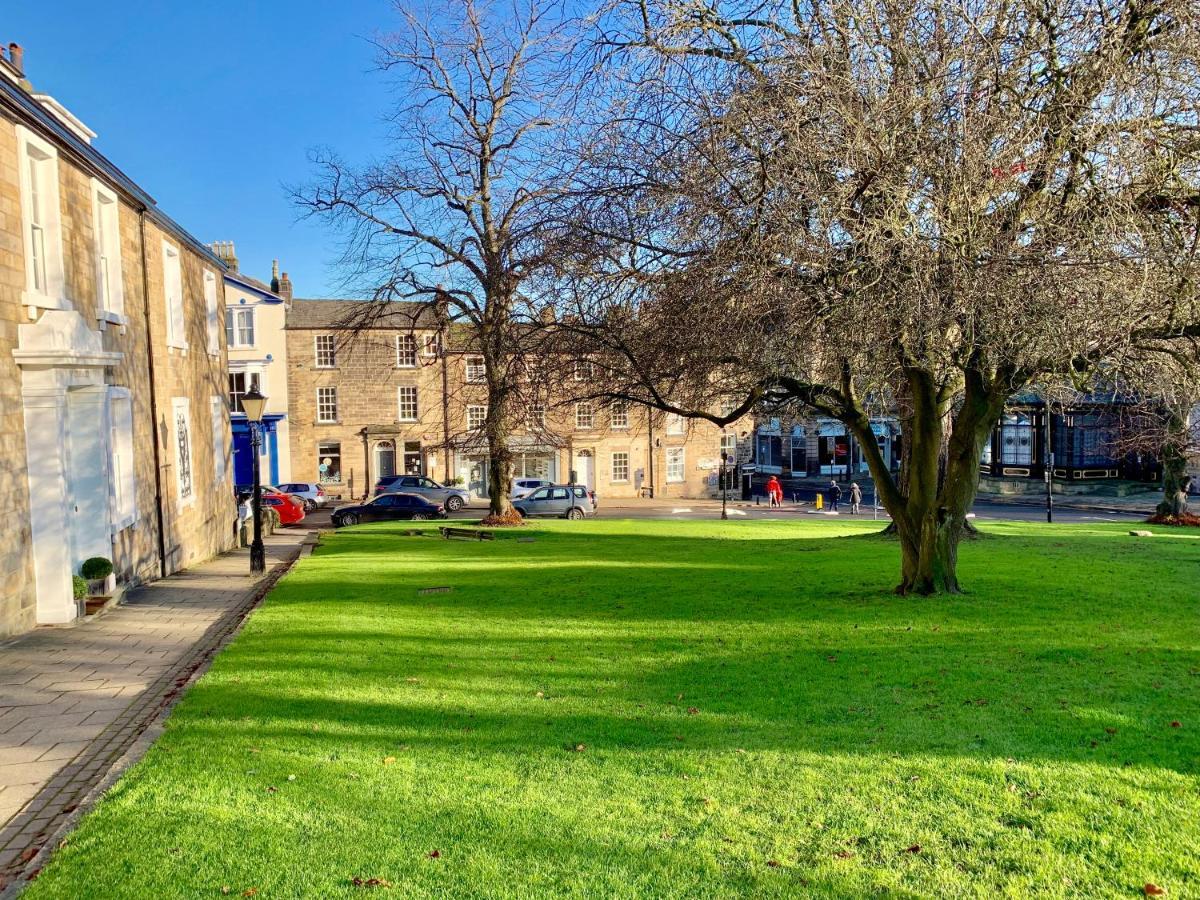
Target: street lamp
x,y
253,403
724,481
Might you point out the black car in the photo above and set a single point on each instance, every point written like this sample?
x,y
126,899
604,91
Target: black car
x,y
389,507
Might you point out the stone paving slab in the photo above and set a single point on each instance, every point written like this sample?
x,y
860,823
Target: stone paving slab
x,y
75,701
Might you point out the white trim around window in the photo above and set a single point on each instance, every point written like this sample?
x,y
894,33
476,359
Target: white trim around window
x,y
172,273
619,415
476,416
41,218
620,467
212,313
327,405
220,427
325,348
675,465
406,351
106,233
240,324
407,407
585,416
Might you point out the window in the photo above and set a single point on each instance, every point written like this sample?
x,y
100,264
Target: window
x,y
729,443
406,350
327,408
185,489
620,466
537,415
407,408
583,370
674,464
728,405
110,289
240,383
211,312
120,445
173,292
476,370
218,439
38,165
239,326
432,345
675,424
326,351
329,463
476,416
412,457
1016,440
584,417
619,413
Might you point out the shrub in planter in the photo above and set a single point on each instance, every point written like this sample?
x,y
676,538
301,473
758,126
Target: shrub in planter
x,y
96,569
79,587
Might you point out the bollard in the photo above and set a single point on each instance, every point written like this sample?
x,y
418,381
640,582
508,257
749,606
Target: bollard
x,y
820,501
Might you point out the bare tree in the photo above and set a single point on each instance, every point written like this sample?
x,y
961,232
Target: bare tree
x,y
920,207
452,217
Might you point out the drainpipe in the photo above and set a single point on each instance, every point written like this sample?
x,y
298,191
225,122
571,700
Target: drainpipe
x,y
158,491
368,486
650,446
444,352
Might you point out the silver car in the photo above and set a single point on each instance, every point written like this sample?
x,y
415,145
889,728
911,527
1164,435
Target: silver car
x,y
310,492
566,501
452,498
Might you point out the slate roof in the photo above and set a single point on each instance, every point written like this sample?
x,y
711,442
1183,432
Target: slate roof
x,y
344,313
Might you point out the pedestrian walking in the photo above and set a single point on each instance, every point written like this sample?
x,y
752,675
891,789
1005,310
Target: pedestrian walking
x,y
774,492
835,494
855,497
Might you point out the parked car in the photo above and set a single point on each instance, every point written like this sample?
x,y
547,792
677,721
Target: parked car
x,y
524,486
245,493
388,507
311,493
568,501
290,512
452,498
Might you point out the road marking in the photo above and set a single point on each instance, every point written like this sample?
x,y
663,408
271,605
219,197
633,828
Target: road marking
x,y
681,510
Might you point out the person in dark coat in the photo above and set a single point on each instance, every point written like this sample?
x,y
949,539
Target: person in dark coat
x,y
835,494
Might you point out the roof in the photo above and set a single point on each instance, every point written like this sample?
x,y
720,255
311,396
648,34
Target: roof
x,y
360,314
254,285
18,102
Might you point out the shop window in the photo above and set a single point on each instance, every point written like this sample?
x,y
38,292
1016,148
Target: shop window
x,y
329,463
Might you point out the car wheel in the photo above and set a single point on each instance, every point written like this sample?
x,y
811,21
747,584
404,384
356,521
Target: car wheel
x,y
419,517
309,506
454,504
350,519
574,513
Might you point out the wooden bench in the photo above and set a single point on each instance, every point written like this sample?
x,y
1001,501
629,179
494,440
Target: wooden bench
x,y
468,534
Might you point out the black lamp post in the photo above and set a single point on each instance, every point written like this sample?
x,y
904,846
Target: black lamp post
x,y
253,403
724,482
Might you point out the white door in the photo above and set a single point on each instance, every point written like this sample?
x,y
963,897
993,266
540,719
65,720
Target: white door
x,y
87,478
585,469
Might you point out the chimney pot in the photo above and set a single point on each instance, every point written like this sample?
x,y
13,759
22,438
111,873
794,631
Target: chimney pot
x,y
16,56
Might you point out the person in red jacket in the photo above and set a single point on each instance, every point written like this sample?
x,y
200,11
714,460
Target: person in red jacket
x,y
774,492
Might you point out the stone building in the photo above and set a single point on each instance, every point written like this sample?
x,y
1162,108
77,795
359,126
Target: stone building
x,y
373,395
114,434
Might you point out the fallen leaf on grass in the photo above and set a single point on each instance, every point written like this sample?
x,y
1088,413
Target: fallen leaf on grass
x,y
291,778
370,882
915,848
249,892
271,789
255,750
843,854
539,694
435,854
225,889
693,711
773,863
1176,724
388,760
1153,890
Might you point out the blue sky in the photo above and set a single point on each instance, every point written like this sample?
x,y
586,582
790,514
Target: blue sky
x,y
213,106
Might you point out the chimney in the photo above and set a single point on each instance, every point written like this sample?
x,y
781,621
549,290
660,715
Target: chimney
x,y
225,252
274,276
16,57
285,287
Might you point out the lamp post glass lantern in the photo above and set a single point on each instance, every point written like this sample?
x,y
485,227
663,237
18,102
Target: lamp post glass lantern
x,y
253,402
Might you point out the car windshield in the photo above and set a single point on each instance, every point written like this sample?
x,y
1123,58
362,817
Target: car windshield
x,y
539,495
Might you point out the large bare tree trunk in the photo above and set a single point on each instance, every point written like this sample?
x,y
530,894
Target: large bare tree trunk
x,y
1175,476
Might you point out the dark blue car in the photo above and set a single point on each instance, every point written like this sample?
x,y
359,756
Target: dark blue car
x,y
389,507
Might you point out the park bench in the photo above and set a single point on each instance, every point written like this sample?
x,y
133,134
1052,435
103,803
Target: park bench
x,y
468,534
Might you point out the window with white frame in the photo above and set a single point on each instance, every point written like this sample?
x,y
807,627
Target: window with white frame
x,y
476,369
583,370
106,227
584,416
674,464
184,484
123,487
239,326
241,383
476,417
729,443
38,169
406,350
173,293
432,345
675,424
212,313
620,466
537,415
327,405
218,438
619,414
325,348
407,409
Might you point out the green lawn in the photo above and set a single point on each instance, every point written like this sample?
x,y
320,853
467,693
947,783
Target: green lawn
x,y
639,708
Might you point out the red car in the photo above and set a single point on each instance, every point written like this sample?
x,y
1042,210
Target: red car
x,y
290,512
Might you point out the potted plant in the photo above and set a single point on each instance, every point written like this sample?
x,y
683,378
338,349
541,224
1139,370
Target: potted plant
x,y
98,572
79,588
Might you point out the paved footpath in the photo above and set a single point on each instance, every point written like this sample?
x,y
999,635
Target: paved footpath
x,y
75,701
